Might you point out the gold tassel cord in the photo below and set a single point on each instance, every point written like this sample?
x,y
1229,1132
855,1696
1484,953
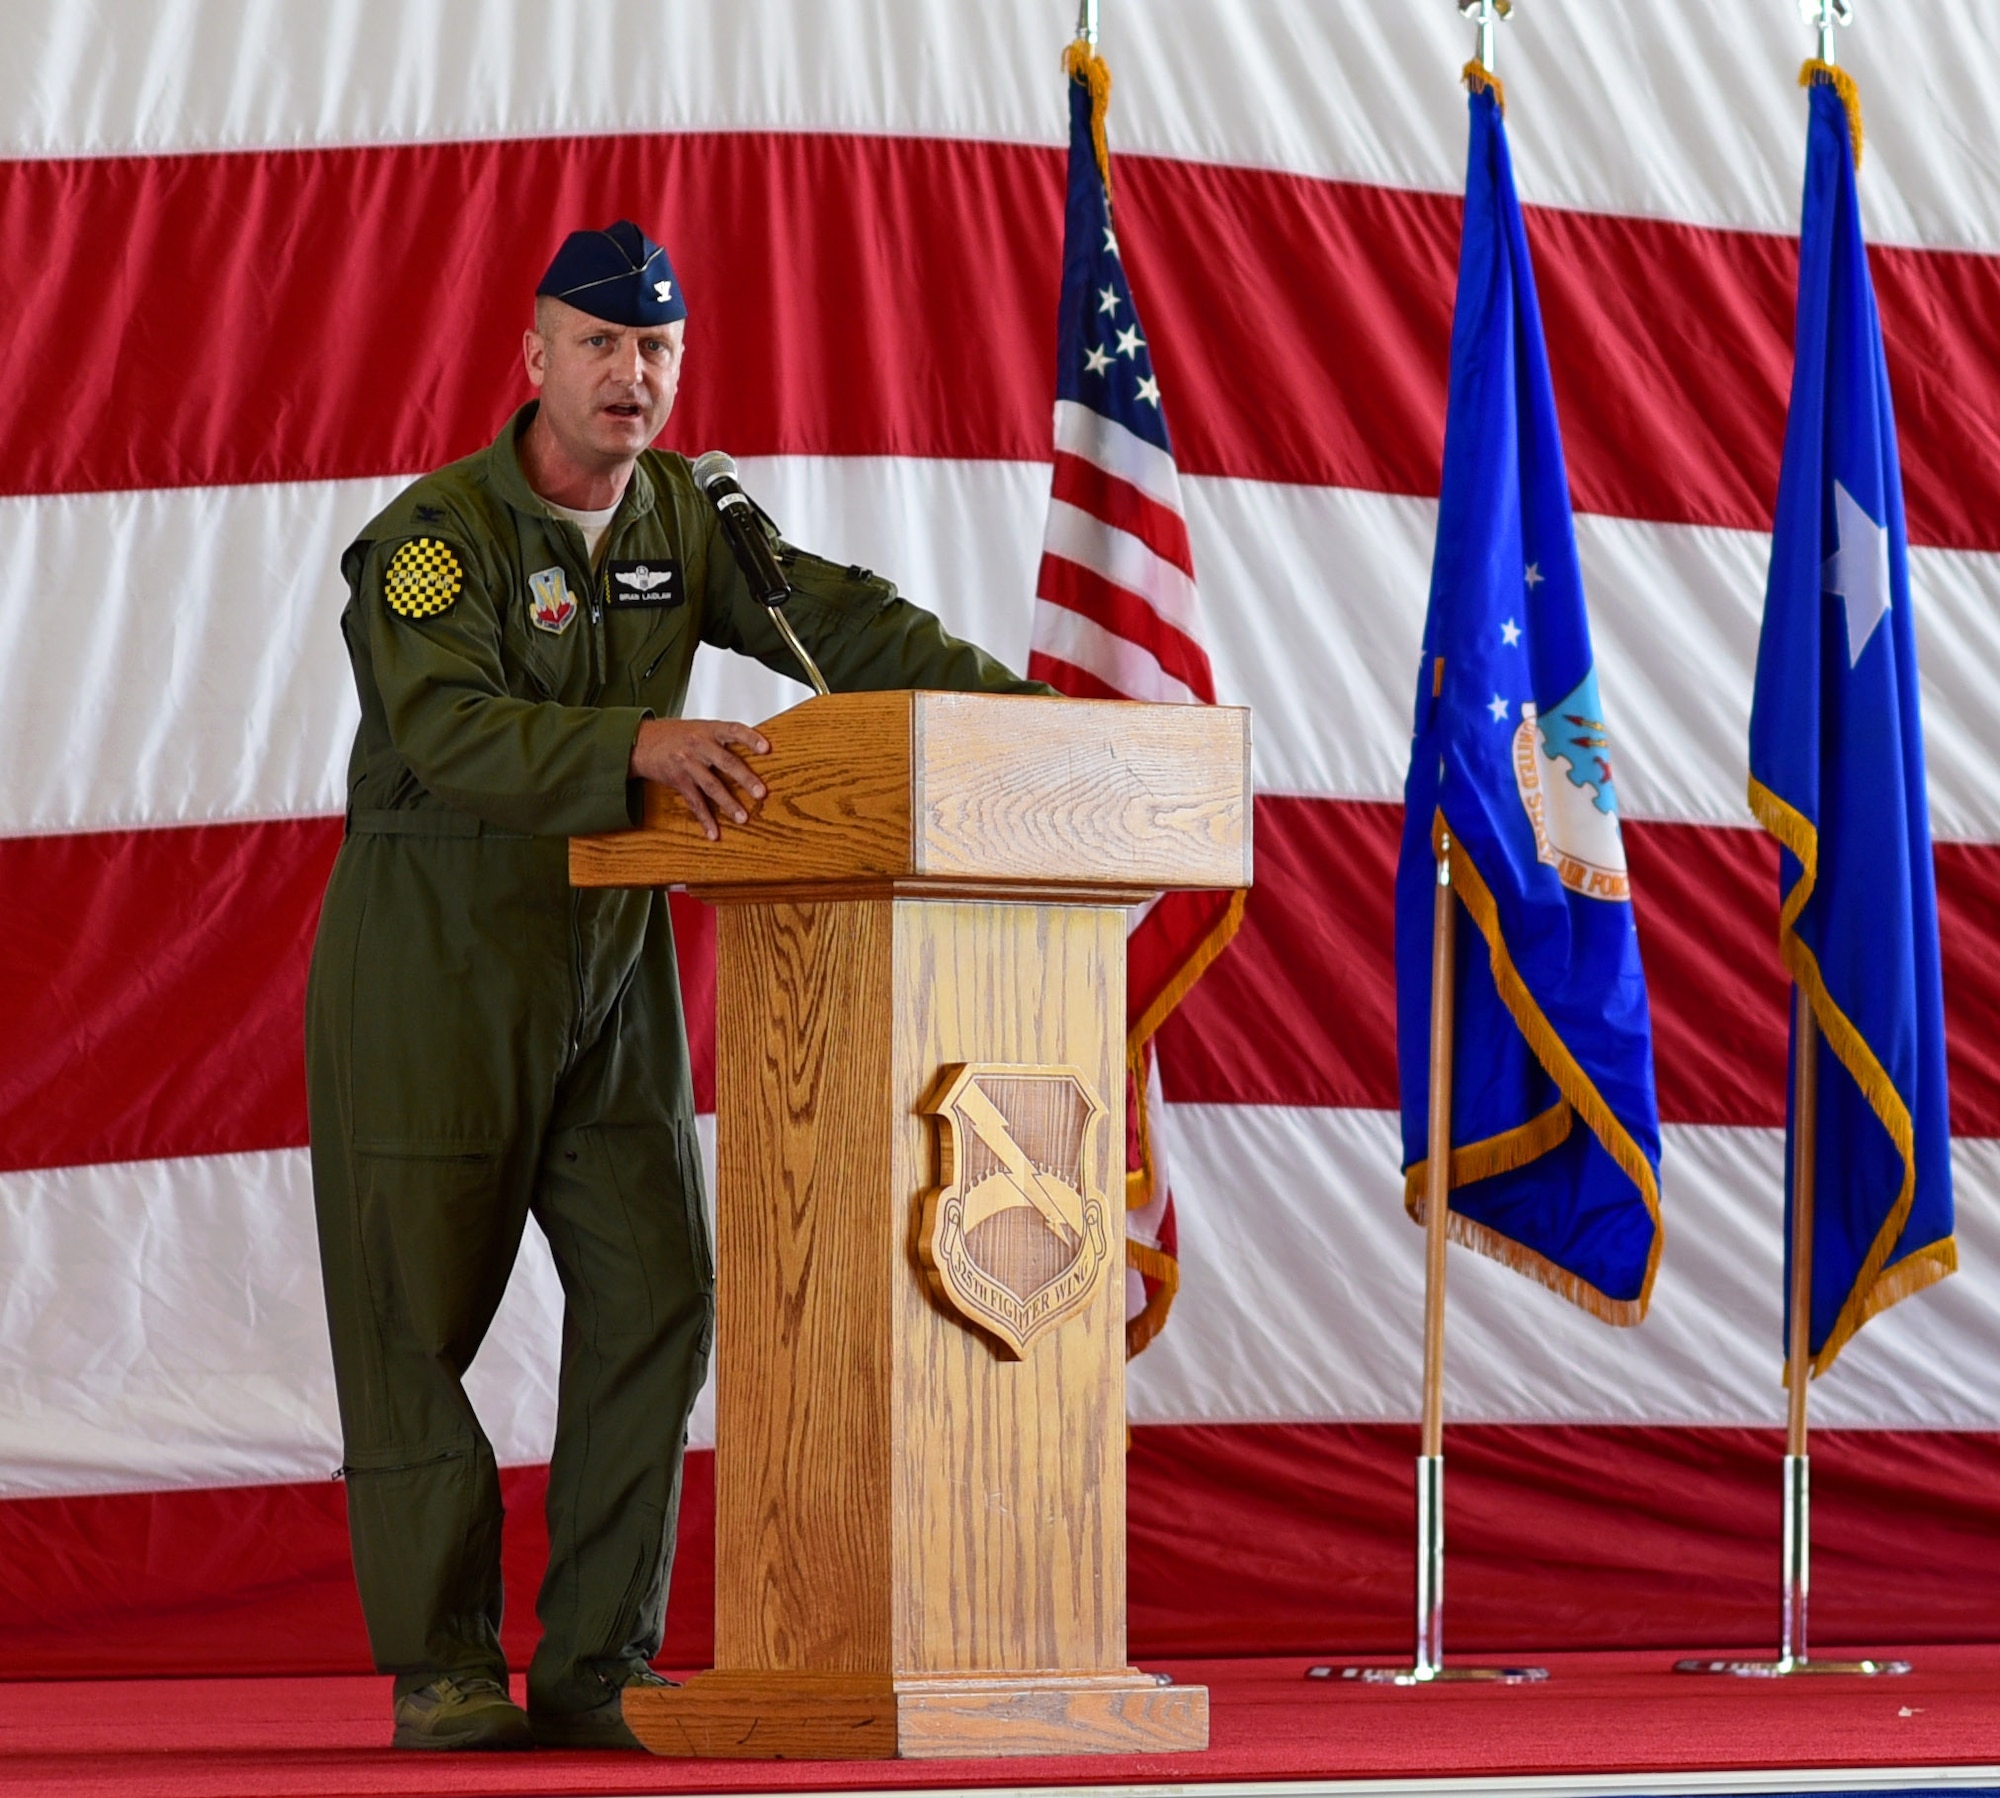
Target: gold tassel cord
x,y
1823,74
1082,63
1480,79
1161,1267
1877,1285
1575,1086
1139,1180
1196,965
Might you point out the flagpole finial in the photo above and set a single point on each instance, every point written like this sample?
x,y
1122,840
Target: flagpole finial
x,y
1826,14
1086,22
1487,14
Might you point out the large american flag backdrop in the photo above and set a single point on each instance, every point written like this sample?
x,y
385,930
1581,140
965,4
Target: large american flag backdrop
x,y
259,265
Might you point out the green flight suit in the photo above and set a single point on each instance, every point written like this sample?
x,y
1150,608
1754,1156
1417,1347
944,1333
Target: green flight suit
x,y
485,1043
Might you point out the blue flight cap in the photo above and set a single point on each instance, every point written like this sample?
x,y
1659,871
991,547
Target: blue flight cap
x,y
618,274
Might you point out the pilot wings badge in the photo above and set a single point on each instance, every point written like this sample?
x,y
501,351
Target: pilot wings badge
x,y
655,585
1018,1234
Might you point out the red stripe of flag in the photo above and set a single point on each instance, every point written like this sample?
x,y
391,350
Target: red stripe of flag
x,y
1083,484
1671,343
1125,614
203,1056
1067,678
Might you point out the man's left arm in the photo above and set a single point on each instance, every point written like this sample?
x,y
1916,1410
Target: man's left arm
x,y
863,634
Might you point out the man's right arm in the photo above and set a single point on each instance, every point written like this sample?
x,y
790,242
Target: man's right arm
x,y
433,630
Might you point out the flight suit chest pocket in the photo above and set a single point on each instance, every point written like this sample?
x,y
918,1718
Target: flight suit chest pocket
x,y
655,648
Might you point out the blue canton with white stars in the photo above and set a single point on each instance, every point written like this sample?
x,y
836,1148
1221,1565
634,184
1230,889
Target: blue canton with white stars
x,y
1102,359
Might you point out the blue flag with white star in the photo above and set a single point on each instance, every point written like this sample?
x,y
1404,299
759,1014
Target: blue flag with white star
x,y
1554,1127
1837,776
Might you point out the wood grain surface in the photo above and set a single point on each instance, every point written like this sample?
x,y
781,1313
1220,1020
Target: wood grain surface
x,y
734,1715
1009,1475
837,805
805,1288
965,1719
994,788
1081,790
920,1542
746,1716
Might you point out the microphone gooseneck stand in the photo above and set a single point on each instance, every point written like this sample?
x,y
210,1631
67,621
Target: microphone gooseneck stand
x,y
715,474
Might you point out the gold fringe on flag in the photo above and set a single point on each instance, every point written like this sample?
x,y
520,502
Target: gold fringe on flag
x,y
1480,79
1082,63
1500,1154
1576,1087
1878,1285
1815,73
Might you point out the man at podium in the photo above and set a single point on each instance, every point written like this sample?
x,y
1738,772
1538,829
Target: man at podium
x,y
484,1043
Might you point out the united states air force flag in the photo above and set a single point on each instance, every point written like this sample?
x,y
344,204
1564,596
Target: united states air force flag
x,y
1555,1131
1837,776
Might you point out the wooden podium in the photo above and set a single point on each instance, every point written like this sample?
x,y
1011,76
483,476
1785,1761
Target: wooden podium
x,y
920,1086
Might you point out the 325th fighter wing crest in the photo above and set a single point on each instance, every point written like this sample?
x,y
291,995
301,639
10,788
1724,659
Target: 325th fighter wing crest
x,y
1018,1235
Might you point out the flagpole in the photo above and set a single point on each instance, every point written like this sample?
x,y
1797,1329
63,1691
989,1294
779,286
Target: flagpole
x,y
1427,1665
1795,1551
1437,1212
1825,15
1795,1574
1797,1535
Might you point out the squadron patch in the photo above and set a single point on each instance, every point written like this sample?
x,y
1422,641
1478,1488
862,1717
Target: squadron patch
x,y
423,579
550,603
655,583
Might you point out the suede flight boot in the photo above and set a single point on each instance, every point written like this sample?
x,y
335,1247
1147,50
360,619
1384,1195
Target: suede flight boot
x,y
602,1725
461,1711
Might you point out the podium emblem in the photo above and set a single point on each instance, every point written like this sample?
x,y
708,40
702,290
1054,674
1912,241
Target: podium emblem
x,y
1018,1234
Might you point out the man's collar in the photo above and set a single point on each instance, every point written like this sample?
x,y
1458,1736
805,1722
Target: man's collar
x,y
503,469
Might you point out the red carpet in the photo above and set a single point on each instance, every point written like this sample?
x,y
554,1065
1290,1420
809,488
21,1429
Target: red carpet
x,y
1245,1539
1599,1713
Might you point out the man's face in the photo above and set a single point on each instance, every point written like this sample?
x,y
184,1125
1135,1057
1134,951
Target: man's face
x,y
606,389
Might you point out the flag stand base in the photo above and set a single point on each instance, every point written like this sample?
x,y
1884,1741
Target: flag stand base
x,y
1433,1676
1792,1660
1426,1667
1790,1667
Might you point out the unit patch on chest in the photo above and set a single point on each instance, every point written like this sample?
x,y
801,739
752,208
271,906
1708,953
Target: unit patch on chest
x,y
551,605
654,584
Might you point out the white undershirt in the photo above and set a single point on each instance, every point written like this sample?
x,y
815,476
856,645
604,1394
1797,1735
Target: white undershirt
x,y
593,525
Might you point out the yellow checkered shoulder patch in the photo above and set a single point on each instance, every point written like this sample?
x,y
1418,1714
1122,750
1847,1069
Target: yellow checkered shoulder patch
x,y
422,579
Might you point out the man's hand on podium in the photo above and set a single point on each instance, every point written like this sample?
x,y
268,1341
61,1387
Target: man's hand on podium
x,y
696,757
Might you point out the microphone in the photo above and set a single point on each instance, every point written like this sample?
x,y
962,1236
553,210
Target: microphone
x,y
715,475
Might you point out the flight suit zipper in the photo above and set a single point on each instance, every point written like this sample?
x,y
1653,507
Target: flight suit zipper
x,y
639,675
600,650
577,970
